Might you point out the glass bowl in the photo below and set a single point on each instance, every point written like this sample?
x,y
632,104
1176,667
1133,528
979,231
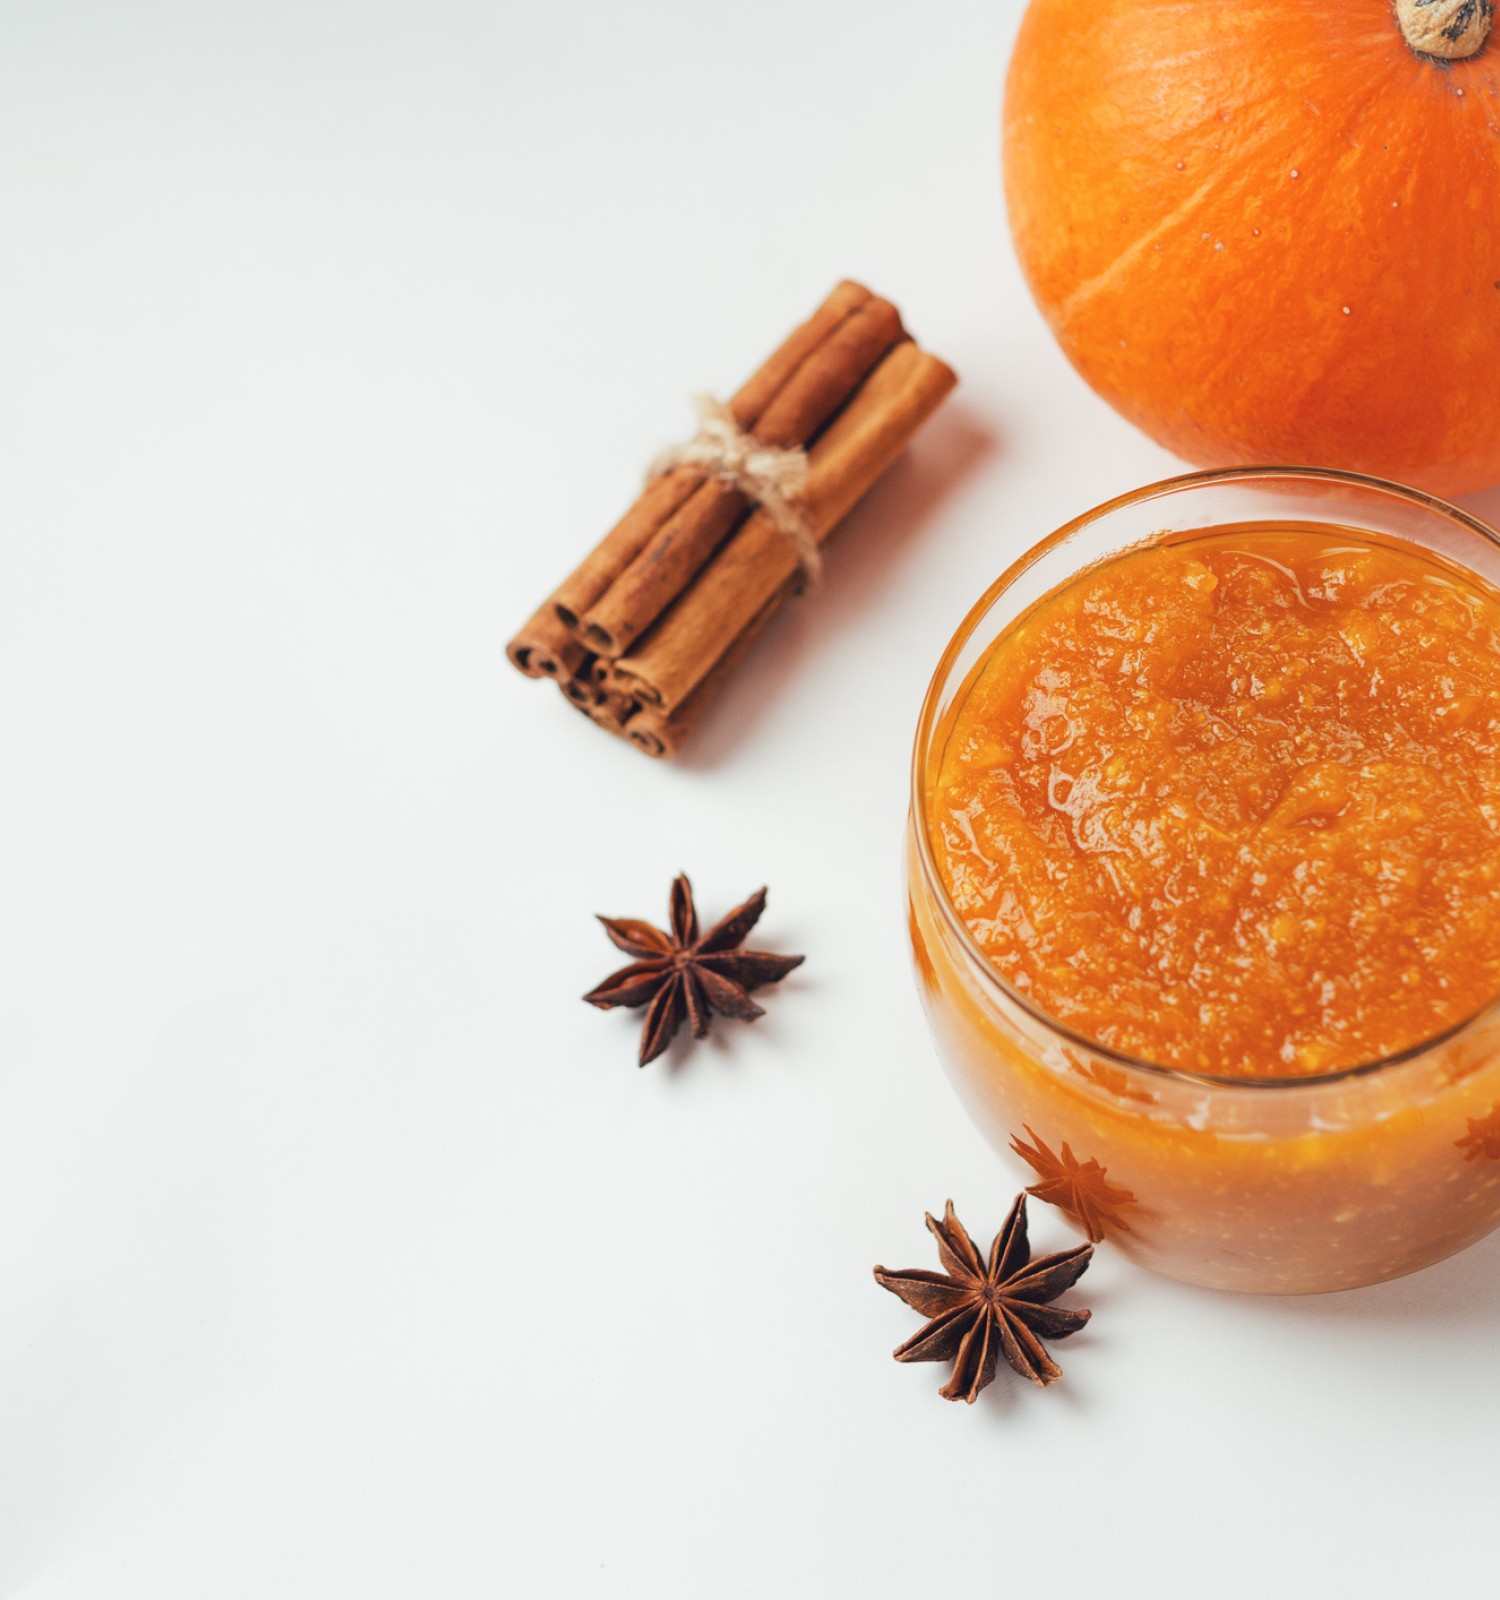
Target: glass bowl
x,y
1268,1185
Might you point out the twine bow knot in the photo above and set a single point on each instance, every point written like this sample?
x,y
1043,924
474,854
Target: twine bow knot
x,y
773,478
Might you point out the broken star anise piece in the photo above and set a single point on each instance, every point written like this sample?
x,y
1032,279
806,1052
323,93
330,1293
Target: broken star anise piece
x,y
685,976
982,1309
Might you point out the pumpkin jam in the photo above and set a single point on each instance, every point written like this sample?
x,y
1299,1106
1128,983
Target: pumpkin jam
x,y
1229,803
1232,804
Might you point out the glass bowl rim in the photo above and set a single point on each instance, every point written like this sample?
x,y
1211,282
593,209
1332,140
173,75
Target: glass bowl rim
x,y
989,976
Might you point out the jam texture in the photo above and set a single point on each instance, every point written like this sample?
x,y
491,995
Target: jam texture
x,y
1232,804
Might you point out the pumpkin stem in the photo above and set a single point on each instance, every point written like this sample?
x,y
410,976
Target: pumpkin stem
x,y
1448,29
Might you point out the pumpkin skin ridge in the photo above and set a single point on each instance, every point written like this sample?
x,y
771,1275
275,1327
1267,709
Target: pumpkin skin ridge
x,y
1300,392
1086,291
1245,352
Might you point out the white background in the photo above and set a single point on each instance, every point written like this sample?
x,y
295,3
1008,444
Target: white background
x,y
342,1251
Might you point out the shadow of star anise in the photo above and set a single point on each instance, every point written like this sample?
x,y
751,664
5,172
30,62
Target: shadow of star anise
x,y
982,1309
685,976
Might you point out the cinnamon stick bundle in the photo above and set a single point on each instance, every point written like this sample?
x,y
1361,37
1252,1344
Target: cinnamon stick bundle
x,y
663,496
811,394
643,634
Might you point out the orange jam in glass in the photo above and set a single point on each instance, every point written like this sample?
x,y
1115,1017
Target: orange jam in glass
x,y
1233,804
1204,868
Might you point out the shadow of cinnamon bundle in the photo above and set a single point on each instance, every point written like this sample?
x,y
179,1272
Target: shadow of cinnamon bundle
x,y
645,632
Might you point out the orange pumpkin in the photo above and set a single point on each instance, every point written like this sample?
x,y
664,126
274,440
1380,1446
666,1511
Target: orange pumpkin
x,y
1269,231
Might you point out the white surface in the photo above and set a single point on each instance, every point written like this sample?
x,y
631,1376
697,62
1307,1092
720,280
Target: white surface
x,y
342,1251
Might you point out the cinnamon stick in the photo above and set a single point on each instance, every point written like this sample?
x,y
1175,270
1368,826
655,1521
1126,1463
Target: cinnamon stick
x,y
662,496
662,735
776,371
545,648
583,689
612,712
620,546
792,416
757,567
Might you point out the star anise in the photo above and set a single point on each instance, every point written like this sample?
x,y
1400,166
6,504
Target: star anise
x,y
1077,1187
980,1309
685,975
1482,1142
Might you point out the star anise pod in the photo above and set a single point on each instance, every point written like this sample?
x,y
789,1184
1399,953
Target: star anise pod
x,y
1482,1141
1077,1187
980,1309
685,975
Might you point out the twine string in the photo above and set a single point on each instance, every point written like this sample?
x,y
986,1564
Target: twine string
x,y
773,478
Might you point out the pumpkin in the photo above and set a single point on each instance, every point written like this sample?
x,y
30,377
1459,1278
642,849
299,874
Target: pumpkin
x,y
1269,232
